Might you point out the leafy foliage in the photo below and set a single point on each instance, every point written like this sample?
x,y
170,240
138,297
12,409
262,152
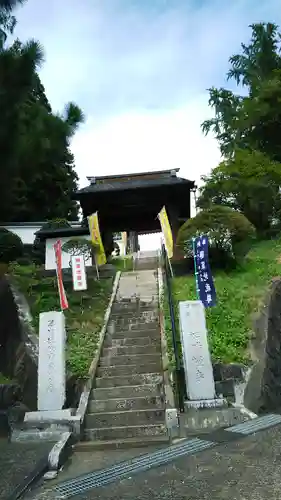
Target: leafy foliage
x,y
250,183
11,246
230,234
56,224
251,121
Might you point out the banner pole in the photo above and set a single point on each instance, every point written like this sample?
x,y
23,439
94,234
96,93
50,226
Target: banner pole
x,y
97,269
170,265
195,269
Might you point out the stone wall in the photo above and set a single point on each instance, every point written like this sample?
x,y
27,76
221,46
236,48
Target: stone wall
x,y
263,390
19,348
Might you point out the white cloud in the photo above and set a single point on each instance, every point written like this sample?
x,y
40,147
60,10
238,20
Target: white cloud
x,y
139,70
135,142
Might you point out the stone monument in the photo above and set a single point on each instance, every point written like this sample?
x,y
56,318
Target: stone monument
x,y
51,363
196,356
51,371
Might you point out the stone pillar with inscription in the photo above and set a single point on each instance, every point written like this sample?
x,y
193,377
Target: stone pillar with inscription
x,y
51,363
196,356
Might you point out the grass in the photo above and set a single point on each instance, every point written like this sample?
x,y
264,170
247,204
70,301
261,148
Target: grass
x,y
240,295
84,318
4,379
122,264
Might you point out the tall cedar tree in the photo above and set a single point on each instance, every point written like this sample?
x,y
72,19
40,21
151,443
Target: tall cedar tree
x,y
37,167
252,121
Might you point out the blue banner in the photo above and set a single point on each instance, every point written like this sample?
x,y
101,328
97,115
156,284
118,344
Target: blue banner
x,y
204,280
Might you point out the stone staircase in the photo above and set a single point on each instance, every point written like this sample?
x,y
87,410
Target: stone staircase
x,y
127,403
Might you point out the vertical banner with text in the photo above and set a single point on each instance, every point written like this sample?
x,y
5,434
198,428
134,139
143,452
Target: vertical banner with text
x,y
62,294
78,272
204,281
167,232
94,229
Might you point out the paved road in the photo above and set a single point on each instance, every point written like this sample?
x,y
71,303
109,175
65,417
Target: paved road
x,y
248,469
17,462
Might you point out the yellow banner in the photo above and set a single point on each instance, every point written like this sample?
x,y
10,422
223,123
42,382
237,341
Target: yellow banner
x,y
167,232
94,229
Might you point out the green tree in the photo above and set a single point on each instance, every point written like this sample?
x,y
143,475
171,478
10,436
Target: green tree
x,y
7,20
9,5
249,183
46,176
251,121
37,175
16,78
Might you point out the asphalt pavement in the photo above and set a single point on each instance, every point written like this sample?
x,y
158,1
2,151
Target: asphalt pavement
x,y
246,469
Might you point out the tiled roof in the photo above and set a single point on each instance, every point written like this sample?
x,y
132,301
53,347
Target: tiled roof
x,y
134,184
62,231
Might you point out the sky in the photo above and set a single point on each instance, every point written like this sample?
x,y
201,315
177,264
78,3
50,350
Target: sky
x,y
140,70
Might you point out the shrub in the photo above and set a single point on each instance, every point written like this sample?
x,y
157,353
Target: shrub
x,y
56,224
11,246
230,234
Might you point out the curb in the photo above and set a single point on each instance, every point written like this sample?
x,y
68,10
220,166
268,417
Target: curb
x,y
172,422
60,451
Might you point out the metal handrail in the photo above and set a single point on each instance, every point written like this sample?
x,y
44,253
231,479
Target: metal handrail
x,y
179,382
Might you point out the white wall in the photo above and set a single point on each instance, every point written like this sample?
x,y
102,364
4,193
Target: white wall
x,y
50,260
150,241
122,247
26,233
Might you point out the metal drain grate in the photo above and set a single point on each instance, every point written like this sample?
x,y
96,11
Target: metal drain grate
x,y
120,471
257,424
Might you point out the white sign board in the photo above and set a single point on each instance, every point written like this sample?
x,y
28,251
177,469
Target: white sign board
x,y
79,273
51,362
197,360
50,259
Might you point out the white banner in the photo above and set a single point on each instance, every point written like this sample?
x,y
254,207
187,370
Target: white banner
x,y
78,273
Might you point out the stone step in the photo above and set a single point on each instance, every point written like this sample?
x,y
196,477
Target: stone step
x,y
127,404
134,442
134,379
127,327
124,418
120,334
127,391
130,306
132,359
132,341
134,322
129,432
135,314
121,370
132,349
